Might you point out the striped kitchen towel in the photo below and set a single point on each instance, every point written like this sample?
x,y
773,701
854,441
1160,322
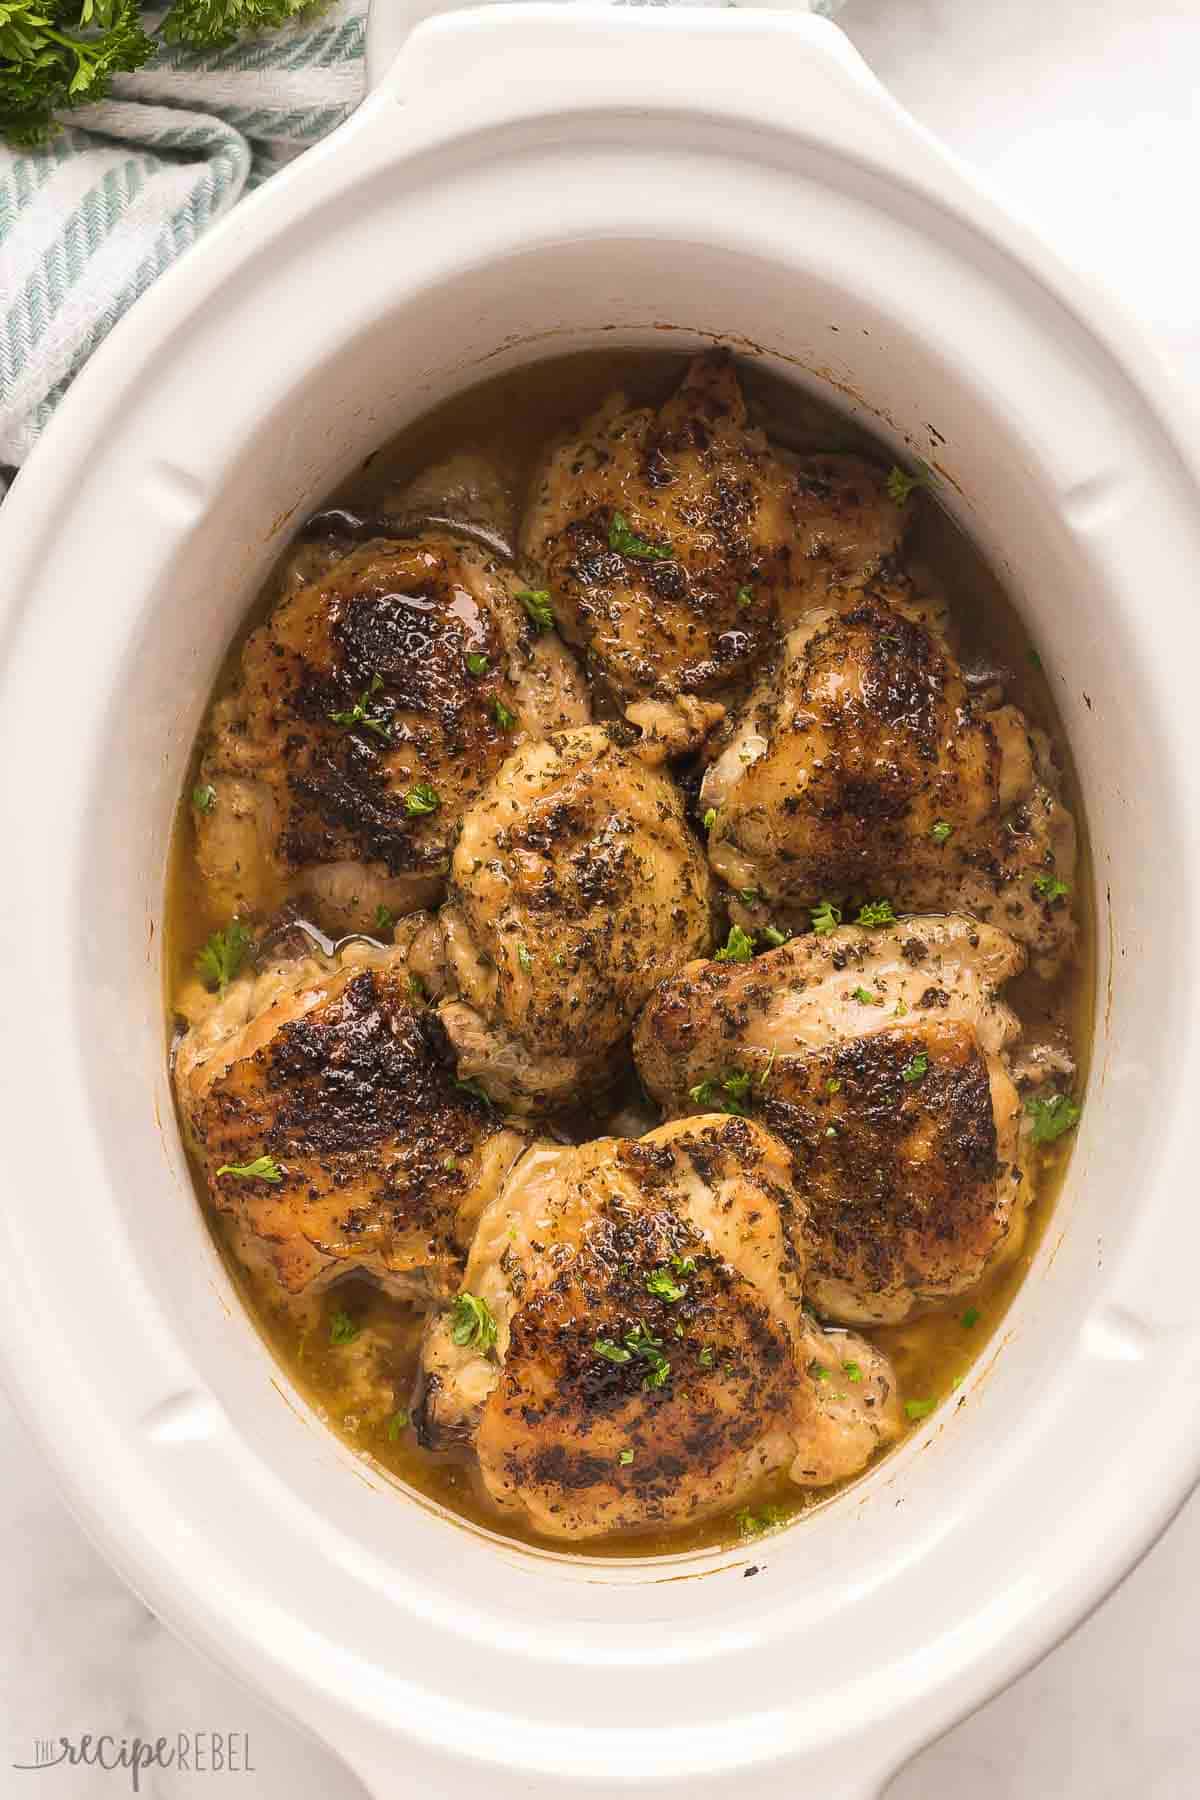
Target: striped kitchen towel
x,y
89,220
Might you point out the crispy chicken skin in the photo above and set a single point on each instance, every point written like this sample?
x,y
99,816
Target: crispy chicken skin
x,y
340,811
330,1067
695,482
879,1058
652,1360
863,765
576,885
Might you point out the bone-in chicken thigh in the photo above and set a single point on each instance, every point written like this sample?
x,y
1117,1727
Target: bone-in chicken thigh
x,y
576,885
367,713
667,540
879,1058
319,1098
632,1352
862,765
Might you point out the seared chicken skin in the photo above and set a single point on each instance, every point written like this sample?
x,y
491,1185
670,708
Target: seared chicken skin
x,y
576,886
862,765
335,1074
367,713
639,1357
879,1058
666,538
846,527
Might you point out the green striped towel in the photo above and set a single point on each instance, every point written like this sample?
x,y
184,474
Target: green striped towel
x,y
90,220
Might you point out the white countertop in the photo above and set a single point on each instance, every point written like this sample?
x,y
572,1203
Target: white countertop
x,y
1085,115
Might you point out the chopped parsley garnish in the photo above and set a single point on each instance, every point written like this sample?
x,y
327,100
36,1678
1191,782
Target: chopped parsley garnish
x,y
642,1343
917,1068
866,998
421,799
524,958
223,955
833,1085
625,1458
663,1285
385,918
708,1357
628,543
738,947
505,717
397,1423
472,1323
825,918
751,1524
819,1372
477,663
900,484
263,1168
748,896
918,1409
342,1329
358,714
940,830
1052,1117
831,1131
736,1085
684,1265
709,819
766,1074
1050,888
475,1088
971,1317
450,1163
536,602
745,596
852,1371
772,936
416,988
702,1093
204,797
876,912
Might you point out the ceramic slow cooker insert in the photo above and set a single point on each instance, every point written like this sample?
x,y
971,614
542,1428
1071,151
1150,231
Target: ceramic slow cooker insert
x,y
525,181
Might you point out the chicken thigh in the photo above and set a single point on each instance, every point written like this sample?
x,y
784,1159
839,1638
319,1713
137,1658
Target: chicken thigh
x,y
576,885
630,1351
667,539
861,764
318,1098
879,1058
367,713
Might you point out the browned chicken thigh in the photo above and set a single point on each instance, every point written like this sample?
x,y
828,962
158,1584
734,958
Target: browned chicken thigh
x,y
368,712
631,1352
576,885
667,539
318,1097
862,765
879,1058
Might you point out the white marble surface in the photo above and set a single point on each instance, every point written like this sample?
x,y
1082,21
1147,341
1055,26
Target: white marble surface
x,y
1086,115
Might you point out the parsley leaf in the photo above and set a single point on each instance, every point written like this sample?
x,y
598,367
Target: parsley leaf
x,y
642,1343
825,918
710,818
736,1084
210,23
852,1371
752,1524
663,1285
772,936
628,543
396,1424
745,596
625,1458
940,830
536,602
739,947
865,997
63,53
421,799
970,1318
384,918
342,1329
1052,1117
223,955
524,958
263,1168
702,1093
475,1088
1050,888
505,718
918,1409
477,664
204,796
876,912
358,714
472,1323
916,1069
612,1352
900,484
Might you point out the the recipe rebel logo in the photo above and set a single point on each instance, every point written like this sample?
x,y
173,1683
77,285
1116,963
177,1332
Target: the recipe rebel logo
x,y
190,1752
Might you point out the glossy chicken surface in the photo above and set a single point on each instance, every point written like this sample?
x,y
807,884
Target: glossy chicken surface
x,y
576,885
319,1099
863,765
846,527
879,1057
367,713
651,1359
663,536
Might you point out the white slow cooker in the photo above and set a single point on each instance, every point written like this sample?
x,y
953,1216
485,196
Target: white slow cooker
x,y
527,180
